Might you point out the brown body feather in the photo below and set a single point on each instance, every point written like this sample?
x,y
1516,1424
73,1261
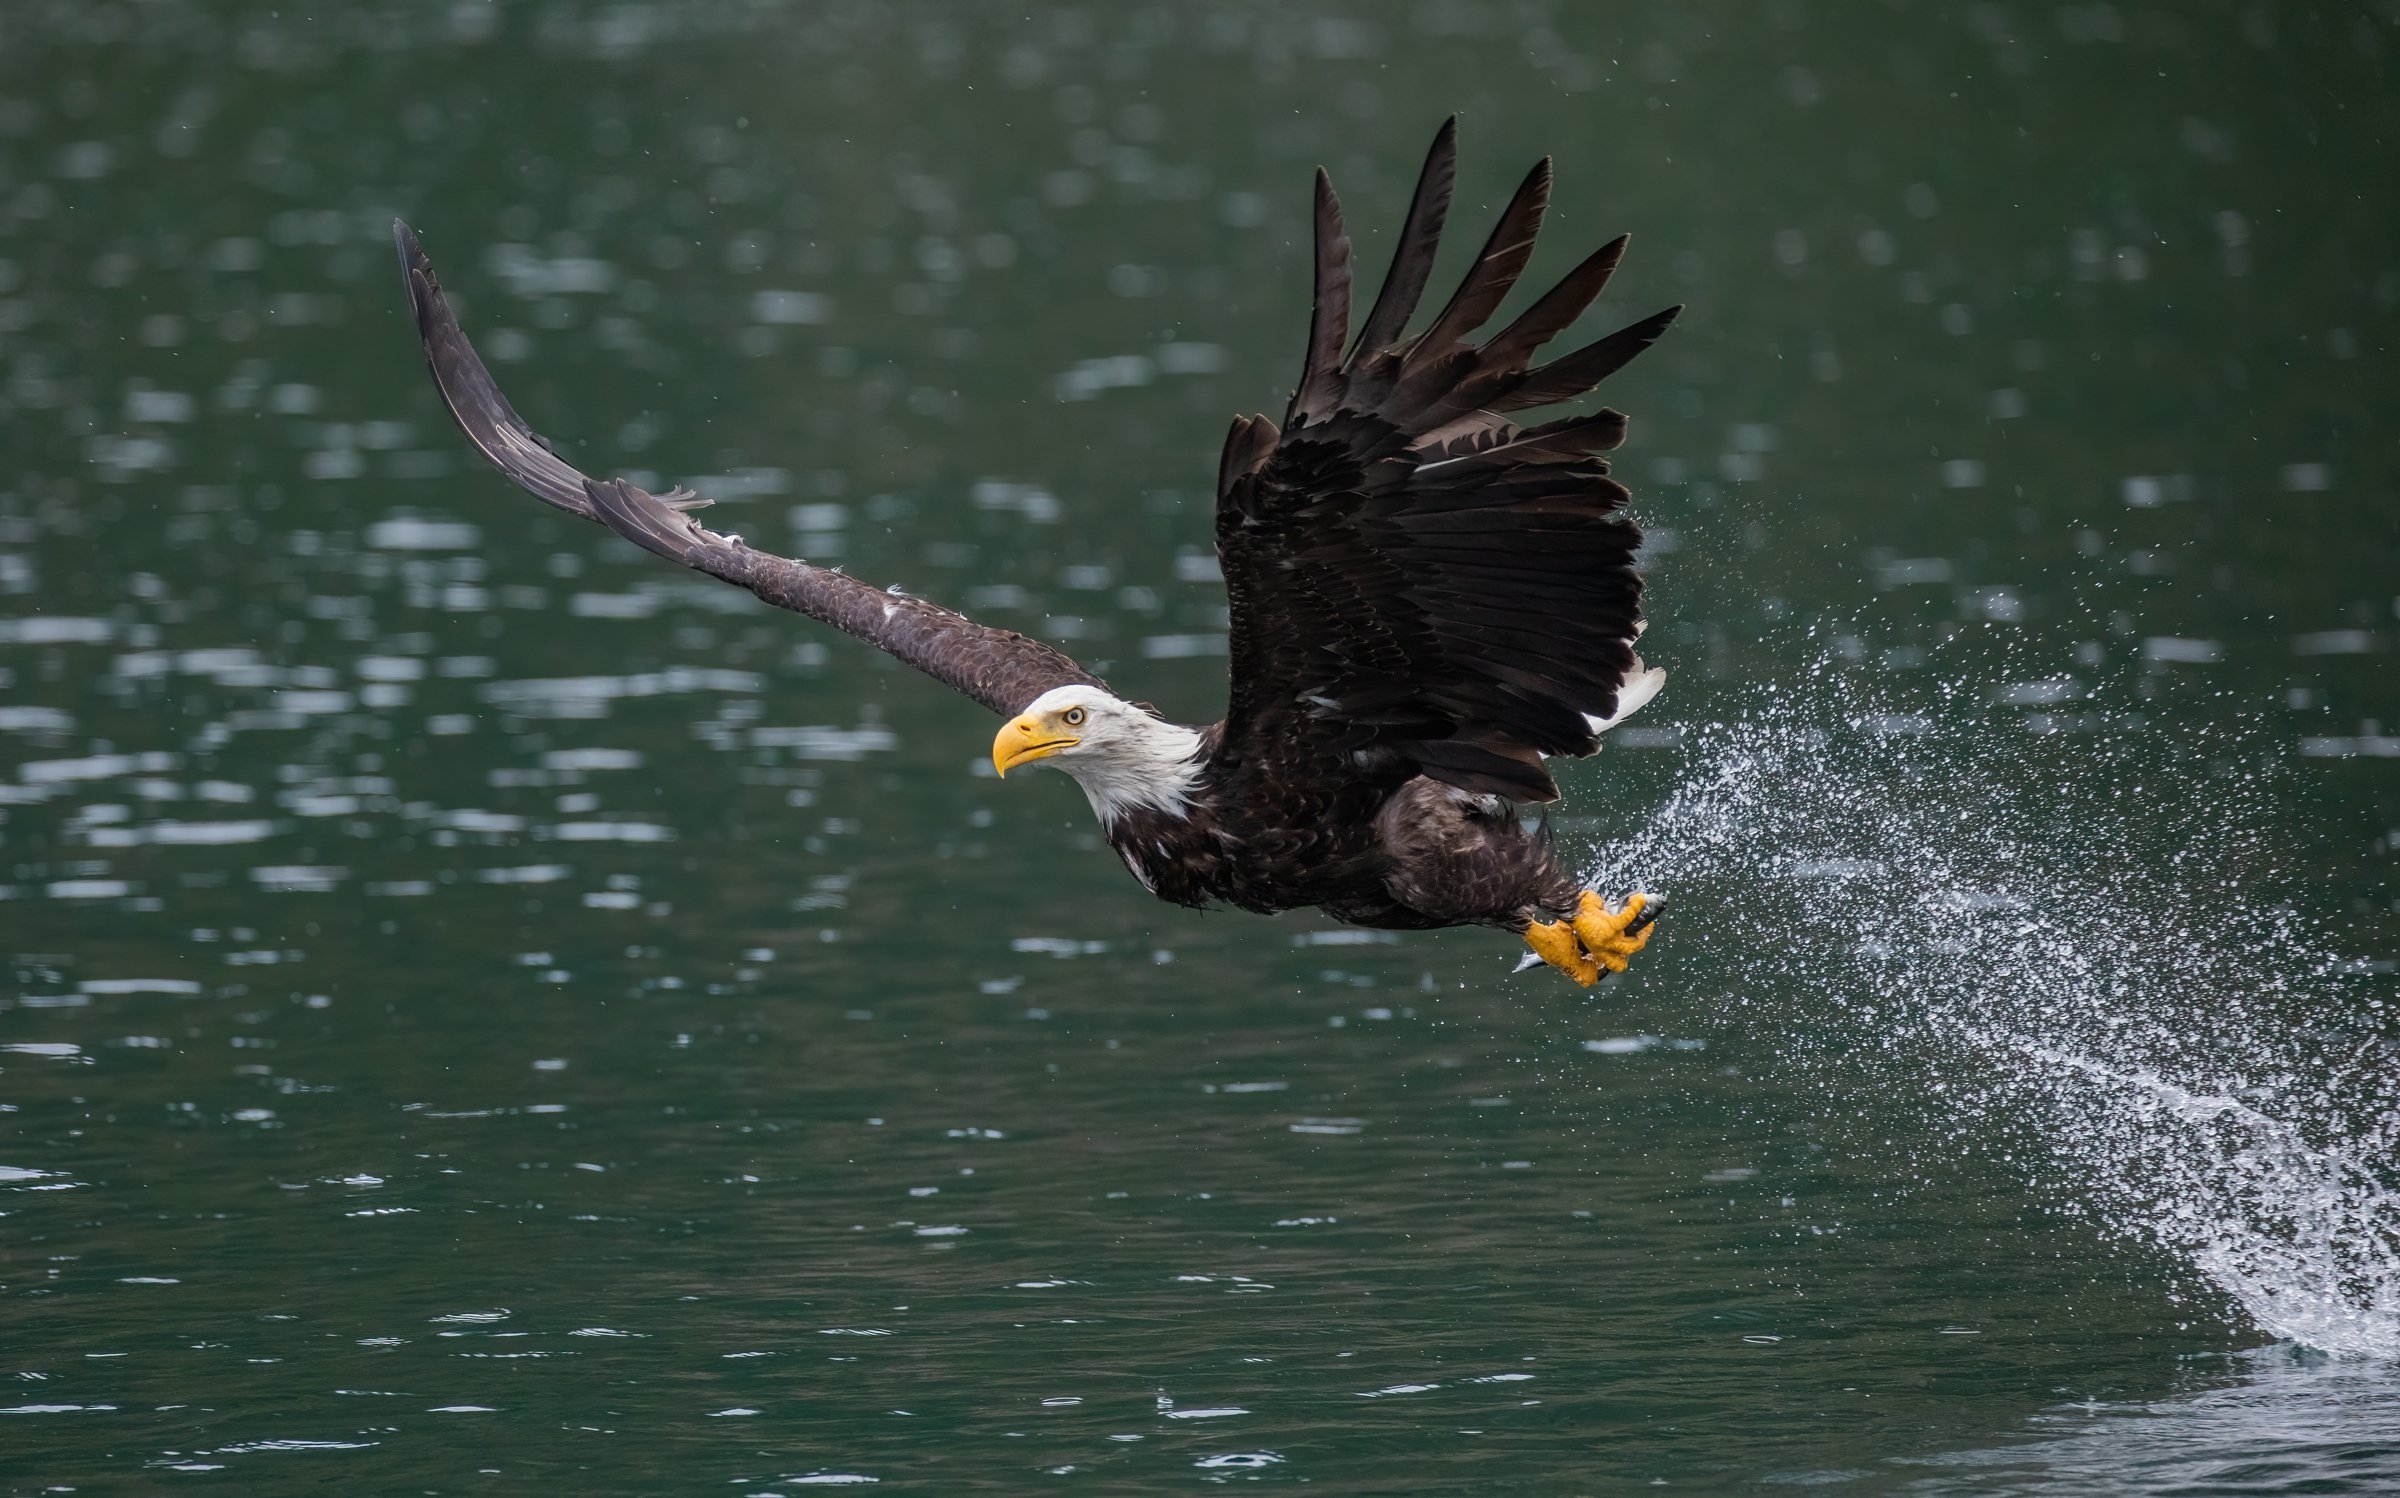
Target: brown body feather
x,y
1426,599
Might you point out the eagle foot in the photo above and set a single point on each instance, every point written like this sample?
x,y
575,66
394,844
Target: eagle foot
x,y
1596,940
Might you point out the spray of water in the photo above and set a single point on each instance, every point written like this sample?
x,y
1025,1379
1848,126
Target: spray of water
x,y
2077,931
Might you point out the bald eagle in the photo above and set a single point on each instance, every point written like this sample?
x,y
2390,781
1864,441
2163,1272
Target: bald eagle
x,y
1427,601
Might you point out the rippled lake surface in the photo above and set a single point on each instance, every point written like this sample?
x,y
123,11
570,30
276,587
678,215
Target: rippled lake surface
x,y
486,1011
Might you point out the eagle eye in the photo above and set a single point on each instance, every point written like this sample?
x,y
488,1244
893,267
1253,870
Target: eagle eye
x,y
1072,717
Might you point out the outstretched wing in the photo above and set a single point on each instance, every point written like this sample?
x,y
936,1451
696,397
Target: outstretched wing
x,y
1418,585
1002,670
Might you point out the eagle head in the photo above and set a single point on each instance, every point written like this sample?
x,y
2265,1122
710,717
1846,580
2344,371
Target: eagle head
x,y
1121,754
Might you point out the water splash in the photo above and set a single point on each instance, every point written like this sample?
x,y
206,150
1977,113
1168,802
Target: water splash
x,y
2058,933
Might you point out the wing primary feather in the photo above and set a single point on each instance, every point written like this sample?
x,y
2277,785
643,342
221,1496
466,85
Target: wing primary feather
x,y
1570,375
1329,319
491,425
1412,257
1495,270
1511,347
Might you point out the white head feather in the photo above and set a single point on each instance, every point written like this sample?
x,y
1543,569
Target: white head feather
x,y
1124,757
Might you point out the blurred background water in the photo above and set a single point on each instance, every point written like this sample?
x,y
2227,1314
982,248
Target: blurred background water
x,y
487,1011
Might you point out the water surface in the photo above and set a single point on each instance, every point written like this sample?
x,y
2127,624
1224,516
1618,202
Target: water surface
x,y
489,1011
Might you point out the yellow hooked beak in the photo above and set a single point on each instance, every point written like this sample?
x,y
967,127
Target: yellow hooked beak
x,y
1026,739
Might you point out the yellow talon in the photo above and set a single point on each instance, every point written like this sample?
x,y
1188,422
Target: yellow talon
x,y
1554,942
1602,931
1594,940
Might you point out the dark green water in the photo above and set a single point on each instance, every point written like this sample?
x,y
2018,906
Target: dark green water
x,y
489,1012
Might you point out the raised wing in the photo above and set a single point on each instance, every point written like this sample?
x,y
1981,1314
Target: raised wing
x,y
1417,584
1002,670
